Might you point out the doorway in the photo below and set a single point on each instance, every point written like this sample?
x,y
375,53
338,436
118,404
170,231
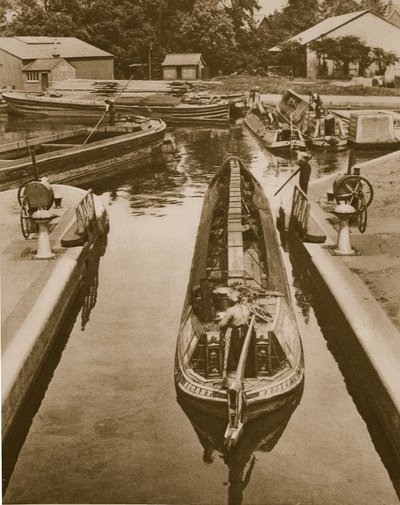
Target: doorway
x,y
45,81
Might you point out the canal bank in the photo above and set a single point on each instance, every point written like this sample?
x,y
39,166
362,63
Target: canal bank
x,y
364,289
37,292
345,101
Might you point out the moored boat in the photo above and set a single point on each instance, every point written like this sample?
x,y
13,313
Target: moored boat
x,y
237,251
275,135
48,106
373,130
322,129
81,155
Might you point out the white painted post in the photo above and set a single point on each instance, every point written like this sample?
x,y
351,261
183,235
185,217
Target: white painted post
x,y
43,217
344,212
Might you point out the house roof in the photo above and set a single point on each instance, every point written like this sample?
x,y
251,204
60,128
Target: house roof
x,y
32,48
323,28
394,17
182,59
43,64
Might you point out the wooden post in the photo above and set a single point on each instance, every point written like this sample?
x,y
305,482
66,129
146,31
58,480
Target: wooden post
x,y
350,161
150,50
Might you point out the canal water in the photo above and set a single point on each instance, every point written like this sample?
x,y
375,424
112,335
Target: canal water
x,y
104,425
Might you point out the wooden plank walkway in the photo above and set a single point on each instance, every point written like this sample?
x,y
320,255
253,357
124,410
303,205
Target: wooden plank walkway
x,y
235,237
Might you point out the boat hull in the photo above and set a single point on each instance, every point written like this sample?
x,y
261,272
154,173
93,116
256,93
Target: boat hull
x,y
218,407
31,105
251,411
323,131
323,144
268,138
201,348
84,163
375,146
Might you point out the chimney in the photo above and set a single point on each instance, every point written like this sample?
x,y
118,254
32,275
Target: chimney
x,y
56,49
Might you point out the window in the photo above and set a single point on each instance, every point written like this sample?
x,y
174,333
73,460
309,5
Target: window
x,y
32,76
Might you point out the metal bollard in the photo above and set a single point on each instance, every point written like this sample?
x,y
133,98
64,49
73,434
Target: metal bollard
x,y
43,217
330,196
58,201
345,213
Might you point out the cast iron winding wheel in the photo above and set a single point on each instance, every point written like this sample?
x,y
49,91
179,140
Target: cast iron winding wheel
x,y
357,191
26,221
25,216
21,190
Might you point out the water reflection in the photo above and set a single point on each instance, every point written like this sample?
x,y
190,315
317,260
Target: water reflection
x,y
261,434
14,128
359,377
210,148
84,302
184,173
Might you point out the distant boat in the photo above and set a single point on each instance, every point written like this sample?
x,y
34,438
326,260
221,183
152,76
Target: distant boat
x,y
47,106
373,130
321,129
277,136
237,248
65,157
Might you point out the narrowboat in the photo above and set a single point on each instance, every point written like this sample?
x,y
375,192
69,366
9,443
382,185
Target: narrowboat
x,y
373,130
276,136
29,104
237,251
321,129
82,155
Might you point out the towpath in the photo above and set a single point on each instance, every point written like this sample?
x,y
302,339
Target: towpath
x,y
366,287
378,262
35,292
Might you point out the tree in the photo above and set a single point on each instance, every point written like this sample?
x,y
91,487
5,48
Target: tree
x,y
299,15
241,12
376,6
292,54
350,49
382,59
342,50
209,30
31,18
338,7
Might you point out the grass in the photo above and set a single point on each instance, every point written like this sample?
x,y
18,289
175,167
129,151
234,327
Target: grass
x,y
277,85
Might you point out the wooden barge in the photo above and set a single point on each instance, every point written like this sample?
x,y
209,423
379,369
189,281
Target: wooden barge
x,y
65,157
321,129
277,136
373,130
237,248
45,106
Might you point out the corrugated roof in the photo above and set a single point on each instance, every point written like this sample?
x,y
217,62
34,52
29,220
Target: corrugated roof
x,y
182,59
32,48
43,64
324,27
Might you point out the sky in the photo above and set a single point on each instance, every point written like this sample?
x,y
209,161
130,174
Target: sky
x,y
268,6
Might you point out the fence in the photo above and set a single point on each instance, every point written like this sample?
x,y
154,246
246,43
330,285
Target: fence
x,y
300,212
280,71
